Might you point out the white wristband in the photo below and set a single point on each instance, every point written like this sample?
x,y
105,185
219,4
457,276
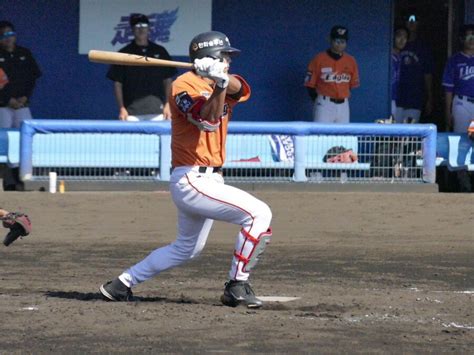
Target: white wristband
x,y
222,82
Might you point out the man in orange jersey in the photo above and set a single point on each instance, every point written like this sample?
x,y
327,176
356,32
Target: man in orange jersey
x,y
201,104
330,78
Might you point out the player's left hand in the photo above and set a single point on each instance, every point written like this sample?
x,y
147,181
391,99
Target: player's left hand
x,y
203,65
19,225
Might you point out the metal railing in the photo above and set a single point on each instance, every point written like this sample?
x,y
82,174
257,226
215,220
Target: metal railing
x,y
256,152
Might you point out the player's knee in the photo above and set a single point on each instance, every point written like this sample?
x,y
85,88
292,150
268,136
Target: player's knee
x,y
185,251
264,214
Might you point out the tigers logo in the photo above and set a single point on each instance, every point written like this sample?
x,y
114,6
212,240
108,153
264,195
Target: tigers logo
x,y
409,57
466,73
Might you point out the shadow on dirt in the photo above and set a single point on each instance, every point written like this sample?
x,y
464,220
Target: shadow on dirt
x,y
320,310
95,296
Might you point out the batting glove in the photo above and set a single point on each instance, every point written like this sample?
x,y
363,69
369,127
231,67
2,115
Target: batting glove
x,y
218,73
203,65
204,125
214,69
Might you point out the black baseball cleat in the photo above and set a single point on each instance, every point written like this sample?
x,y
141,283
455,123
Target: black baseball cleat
x,y
115,290
240,293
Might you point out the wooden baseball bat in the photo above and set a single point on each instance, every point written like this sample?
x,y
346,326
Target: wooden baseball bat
x,y
106,57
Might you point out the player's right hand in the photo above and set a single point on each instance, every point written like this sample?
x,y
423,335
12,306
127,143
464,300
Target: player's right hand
x,y
214,69
14,104
123,114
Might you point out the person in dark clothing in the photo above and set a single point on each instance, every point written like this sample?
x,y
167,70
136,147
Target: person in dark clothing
x,y
142,92
21,72
415,87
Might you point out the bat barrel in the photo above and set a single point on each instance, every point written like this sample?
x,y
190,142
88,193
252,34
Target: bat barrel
x,y
117,58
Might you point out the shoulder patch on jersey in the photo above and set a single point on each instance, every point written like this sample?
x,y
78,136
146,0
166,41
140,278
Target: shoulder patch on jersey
x,y
184,101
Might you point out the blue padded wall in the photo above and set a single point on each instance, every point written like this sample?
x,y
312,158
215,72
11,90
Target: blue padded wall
x,y
277,37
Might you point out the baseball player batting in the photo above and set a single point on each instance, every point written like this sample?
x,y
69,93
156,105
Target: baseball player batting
x,y
458,82
201,103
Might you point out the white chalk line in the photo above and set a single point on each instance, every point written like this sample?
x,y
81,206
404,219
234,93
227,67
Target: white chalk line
x,y
34,308
455,325
277,298
466,292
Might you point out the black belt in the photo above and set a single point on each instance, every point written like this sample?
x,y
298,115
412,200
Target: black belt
x,y
336,101
467,98
216,169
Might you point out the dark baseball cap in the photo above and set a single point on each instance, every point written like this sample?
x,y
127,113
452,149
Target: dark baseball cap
x,y
411,15
339,32
139,19
5,24
465,28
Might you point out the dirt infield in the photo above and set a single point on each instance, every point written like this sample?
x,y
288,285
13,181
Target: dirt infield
x,y
375,273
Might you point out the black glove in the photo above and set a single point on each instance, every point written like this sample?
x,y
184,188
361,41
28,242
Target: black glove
x,y
19,225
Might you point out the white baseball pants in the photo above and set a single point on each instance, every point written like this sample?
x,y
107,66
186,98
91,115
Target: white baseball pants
x,y
463,113
138,118
10,118
202,198
326,111
407,115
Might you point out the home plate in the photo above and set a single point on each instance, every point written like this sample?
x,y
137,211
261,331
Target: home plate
x,y
277,298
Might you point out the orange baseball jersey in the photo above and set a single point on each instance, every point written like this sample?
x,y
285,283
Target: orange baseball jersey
x,y
189,145
3,78
331,77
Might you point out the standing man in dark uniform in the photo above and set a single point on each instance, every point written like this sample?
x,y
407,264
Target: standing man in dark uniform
x,y
415,90
21,73
458,83
142,92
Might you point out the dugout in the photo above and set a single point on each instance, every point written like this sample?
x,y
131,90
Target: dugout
x,y
278,38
